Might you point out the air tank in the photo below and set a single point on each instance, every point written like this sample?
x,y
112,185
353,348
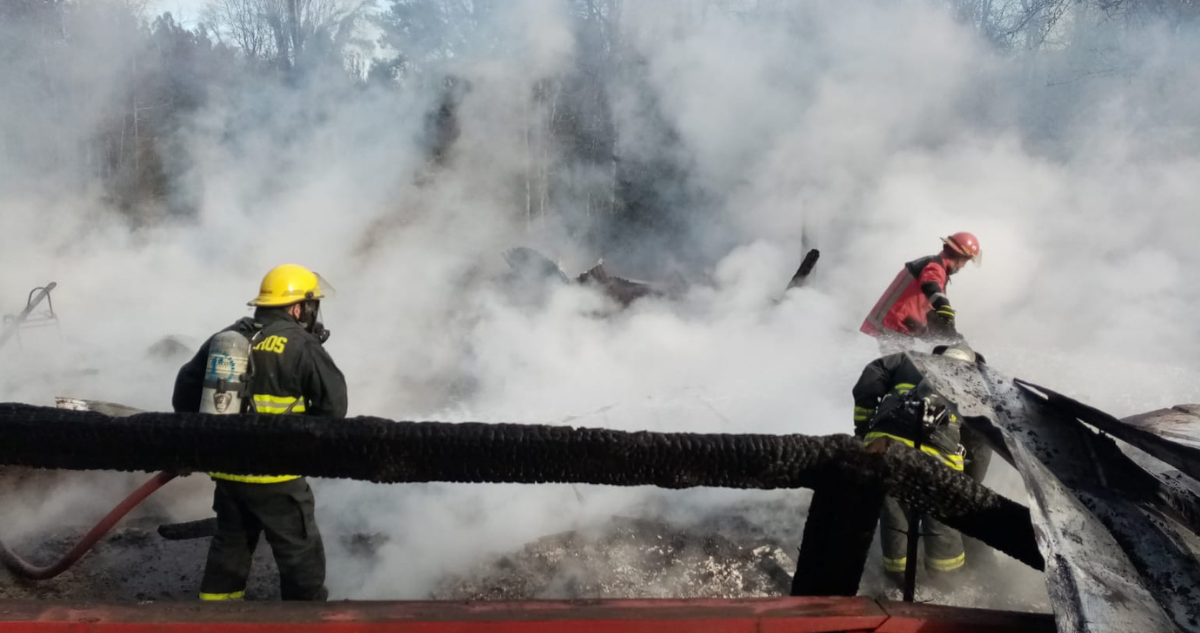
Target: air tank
x,y
225,374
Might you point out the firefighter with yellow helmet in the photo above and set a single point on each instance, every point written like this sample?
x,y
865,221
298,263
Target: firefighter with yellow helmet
x,y
271,363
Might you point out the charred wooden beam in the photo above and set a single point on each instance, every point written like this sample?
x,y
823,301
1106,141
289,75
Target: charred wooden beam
x,y
837,535
384,451
806,267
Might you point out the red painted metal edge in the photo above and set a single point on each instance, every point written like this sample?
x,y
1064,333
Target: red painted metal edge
x,y
906,617
770,615
776,615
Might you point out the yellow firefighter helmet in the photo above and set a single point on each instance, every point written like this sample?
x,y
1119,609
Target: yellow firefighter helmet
x,y
288,284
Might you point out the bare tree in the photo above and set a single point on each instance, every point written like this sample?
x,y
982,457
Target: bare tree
x,y
243,23
1175,13
280,30
1012,24
1032,24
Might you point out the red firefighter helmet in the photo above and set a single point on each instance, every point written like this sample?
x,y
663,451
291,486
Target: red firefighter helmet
x,y
965,245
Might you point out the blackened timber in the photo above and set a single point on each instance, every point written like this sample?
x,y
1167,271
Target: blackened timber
x,y
383,451
806,267
837,535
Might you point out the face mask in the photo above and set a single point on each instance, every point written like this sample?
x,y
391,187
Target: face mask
x,y
310,318
318,330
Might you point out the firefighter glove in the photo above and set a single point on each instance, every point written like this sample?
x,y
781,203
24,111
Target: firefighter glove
x,y
945,314
862,420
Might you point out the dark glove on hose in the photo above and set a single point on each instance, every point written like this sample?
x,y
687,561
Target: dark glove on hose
x,y
945,314
941,323
862,421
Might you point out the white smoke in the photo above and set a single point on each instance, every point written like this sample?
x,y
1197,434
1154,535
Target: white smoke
x,y
865,129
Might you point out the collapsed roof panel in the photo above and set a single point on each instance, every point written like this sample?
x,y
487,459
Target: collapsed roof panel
x,y
1118,558
1180,424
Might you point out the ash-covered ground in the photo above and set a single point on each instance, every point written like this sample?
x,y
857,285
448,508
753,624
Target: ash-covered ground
x,y
722,556
133,564
746,550
717,556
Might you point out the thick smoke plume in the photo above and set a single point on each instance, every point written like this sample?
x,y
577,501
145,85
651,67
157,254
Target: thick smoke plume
x,y
697,140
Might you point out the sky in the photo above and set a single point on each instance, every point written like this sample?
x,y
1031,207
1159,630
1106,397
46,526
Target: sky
x,y
187,12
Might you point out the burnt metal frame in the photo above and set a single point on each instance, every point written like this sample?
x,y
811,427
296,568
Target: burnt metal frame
x,y
13,324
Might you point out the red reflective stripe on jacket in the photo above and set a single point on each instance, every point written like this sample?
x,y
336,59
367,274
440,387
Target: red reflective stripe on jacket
x,y
873,324
904,301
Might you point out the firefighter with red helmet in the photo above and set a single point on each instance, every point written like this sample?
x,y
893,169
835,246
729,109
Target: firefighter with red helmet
x,y
915,305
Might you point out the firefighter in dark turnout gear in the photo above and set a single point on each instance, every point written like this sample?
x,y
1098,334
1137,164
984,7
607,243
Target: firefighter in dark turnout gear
x,y
915,305
291,374
894,402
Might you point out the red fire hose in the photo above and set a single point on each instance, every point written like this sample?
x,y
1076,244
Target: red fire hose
x,y
21,568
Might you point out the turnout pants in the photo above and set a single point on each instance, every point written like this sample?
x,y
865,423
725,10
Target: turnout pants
x,y
284,512
978,457
943,545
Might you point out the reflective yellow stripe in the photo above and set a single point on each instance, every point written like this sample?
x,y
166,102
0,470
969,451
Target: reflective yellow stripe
x,y
266,397
862,414
254,479
895,564
903,388
262,408
266,403
946,564
953,461
237,595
